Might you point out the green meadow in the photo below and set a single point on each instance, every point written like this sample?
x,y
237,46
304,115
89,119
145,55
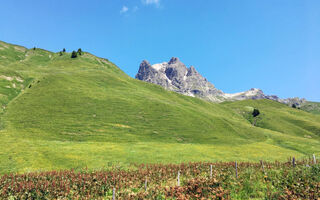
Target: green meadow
x,y
59,112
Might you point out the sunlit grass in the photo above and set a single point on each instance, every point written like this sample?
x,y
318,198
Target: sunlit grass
x,y
85,112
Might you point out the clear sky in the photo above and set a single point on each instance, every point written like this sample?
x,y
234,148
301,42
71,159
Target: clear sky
x,y
273,45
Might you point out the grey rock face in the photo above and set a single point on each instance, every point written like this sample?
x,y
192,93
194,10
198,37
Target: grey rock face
x,y
149,74
298,102
175,76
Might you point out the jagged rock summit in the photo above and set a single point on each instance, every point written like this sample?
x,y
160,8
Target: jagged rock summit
x,y
175,76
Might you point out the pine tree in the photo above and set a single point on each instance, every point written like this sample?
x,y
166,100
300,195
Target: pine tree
x,y
80,51
73,54
255,112
64,50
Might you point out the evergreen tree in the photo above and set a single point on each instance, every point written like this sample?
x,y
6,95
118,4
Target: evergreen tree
x,y
294,106
73,54
255,112
80,51
64,50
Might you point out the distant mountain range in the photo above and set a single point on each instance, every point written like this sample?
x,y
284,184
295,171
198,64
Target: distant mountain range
x,y
175,76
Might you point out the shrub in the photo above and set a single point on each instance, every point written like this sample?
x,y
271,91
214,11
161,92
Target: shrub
x,y
278,180
64,50
255,112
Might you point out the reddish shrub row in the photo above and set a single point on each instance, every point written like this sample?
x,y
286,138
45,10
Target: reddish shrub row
x,y
280,181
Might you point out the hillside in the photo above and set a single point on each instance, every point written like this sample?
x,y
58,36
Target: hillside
x,y
58,113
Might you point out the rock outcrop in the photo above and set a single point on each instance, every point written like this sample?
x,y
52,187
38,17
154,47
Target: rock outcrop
x,y
255,93
175,76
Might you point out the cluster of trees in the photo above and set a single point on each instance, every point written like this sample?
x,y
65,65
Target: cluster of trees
x,y
74,54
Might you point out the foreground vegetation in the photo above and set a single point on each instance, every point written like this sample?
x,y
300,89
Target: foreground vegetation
x,y
226,180
59,112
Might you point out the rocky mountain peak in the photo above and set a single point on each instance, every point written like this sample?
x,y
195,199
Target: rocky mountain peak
x,y
173,60
192,71
255,89
145,69
176,70
145,63
175,76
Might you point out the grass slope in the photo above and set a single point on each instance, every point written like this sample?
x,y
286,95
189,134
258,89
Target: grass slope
x,y
59,113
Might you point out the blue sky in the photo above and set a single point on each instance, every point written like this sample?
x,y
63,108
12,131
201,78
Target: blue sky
x,y
273,45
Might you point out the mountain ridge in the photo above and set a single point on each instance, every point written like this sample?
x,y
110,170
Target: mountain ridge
x,y
177,77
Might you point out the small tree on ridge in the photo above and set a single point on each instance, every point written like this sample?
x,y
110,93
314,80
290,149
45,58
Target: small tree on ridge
x,y
80,51
73,54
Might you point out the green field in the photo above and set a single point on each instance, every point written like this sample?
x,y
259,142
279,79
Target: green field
x,y
61,113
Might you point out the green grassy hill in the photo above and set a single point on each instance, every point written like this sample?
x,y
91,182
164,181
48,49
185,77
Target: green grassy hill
x,y
58,112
